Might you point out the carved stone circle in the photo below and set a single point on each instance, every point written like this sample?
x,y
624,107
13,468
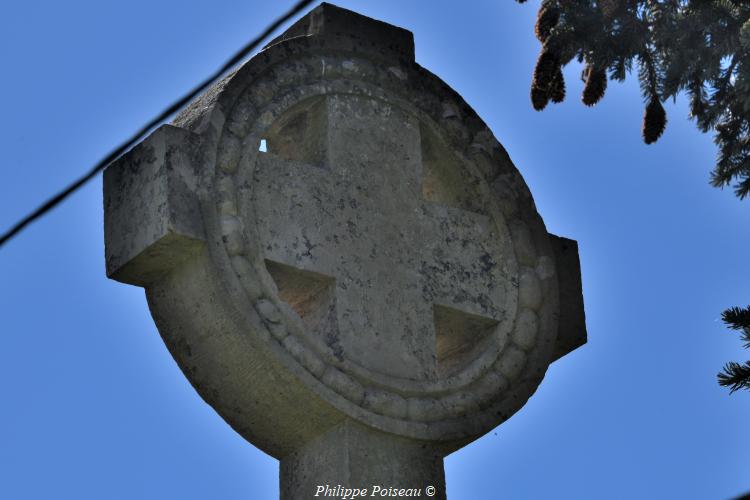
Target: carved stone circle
x,y
343,238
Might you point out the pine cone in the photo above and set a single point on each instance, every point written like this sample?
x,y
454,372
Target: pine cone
x,y
546,67
557,89
539,98
546,19
654,121
596,84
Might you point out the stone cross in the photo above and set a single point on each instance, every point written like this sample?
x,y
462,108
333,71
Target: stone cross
x,y
343,260
359,220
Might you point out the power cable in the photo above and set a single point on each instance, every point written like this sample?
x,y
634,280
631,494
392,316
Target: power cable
x,y
173,108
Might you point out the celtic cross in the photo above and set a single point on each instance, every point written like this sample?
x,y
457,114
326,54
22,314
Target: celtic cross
x,y
343,260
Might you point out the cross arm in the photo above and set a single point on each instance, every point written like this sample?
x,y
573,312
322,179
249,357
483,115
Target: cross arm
x,y
152,220
571,330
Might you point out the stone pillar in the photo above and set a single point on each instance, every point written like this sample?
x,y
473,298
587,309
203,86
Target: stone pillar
x,y
353,456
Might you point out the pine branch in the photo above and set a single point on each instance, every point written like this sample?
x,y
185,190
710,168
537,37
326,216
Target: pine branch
x,y
735,376
738,318
700,47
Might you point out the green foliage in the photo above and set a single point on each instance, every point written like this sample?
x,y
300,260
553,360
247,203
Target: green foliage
x,y
699,47
735,375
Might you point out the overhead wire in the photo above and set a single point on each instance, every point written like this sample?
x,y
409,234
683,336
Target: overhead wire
x,y
161,117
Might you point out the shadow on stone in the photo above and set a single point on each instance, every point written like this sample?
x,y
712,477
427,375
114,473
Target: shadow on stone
x,y
458,337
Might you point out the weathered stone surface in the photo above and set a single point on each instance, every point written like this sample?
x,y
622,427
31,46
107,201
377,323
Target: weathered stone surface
x,y
353,456
357,34
152,219
572,323
359,219
374,283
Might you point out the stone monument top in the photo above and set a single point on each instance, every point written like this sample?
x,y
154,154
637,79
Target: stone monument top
x,y
342,259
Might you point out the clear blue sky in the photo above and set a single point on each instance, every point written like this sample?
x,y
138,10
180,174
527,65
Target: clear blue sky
x,y
94,407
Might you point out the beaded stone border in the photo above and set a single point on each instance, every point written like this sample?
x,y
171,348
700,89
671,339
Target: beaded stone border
x,y
292,80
